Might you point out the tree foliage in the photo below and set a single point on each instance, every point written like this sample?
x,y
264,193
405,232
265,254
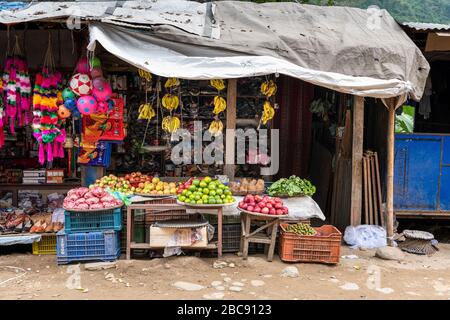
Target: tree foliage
x,y
435,11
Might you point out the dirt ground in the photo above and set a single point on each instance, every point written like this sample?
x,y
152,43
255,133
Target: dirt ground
x,y
24,276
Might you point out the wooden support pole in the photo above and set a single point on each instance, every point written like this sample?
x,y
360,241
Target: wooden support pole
x,y
357,156
390,173
229,169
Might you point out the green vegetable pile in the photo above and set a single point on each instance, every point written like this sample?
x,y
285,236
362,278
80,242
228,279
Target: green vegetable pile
x,y
294,186
301,229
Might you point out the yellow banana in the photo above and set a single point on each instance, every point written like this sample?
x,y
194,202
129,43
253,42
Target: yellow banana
x,y
170,101
216,127
268,112
220,104
172,82
268,88
145,74
146,111
219,84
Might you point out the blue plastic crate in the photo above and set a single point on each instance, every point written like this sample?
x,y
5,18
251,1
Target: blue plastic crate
x,y
87,246
93,221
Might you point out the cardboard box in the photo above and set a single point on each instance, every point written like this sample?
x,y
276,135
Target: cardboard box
x,y
177,237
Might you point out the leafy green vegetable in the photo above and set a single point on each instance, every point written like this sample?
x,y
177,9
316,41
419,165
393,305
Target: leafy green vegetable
x,y
294,186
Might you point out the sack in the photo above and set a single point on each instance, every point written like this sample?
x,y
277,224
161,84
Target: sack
x,y
365,236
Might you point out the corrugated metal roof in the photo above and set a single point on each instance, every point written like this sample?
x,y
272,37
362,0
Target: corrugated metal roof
x,y
421,26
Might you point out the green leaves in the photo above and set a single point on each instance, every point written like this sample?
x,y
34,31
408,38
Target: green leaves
x,y
294,186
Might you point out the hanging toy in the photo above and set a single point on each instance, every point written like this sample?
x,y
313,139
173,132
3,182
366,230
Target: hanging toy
x,y
102,107
96,73
95,62
71,105
68,94
102,92
81,84
87,105
63,112
82,65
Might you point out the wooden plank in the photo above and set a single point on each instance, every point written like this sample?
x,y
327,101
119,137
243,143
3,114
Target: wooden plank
x,y
366,193
380,195
230,168
369,189
357,154
374,189
390,173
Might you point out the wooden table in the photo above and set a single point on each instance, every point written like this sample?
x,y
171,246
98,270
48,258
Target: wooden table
x,y
270,225
169,206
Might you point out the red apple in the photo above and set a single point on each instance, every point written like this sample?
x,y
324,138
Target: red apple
x,y
272,211
244,206
285,210
252,204
249,198
279,212
269,205
265,210
257,209
241,204
258,198
250,208
278,206
261,204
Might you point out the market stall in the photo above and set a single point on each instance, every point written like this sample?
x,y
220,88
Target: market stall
x,y
112,118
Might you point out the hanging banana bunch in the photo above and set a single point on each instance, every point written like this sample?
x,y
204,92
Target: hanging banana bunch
x,y
145,75
268,88
219,84
216,127
171,124
146,111
172,82
268,112
170,101
220,104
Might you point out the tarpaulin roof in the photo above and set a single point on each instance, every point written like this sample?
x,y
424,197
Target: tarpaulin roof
x,y
350,50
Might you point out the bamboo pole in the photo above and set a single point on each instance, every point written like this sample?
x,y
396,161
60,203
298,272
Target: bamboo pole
x,y
390,174
357,160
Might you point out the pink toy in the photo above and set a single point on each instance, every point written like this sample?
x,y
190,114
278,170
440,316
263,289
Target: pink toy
x,y
96,73
87,105
102,107
83,65
102,92
81,84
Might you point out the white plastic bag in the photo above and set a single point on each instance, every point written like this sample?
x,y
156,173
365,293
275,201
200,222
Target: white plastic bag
x,y
365,236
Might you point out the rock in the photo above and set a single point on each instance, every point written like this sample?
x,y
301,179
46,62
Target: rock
x,y
167,266
99,266
220,288
227,279
216,283
350,257
214,296
350,286
187,286
219,264
390,253
231,265
257,283
290,272
223,274
237,284
236,289
85,290
267,276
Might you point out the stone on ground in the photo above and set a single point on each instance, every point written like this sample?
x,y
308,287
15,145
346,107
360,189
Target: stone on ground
x,y
188,286
290,272
390,253
236,289
95,266
257,283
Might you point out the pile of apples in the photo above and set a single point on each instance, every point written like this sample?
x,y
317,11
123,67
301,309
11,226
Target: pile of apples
x,y
156,187
263,205
185,185
115,184
137,179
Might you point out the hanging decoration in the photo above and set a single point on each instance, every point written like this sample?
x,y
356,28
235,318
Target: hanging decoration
x,y
268,89
220,105
16,87
47,97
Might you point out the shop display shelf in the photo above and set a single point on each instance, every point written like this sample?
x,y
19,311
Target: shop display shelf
x,y
94,221
47,245
87,246
322,248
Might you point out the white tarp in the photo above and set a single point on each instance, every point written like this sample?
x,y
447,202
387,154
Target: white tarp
x,y
141,50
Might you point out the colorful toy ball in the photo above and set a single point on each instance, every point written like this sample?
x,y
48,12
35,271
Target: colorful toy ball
x,y
103,92
63,112
87,105
110,104
67,94
96,63
70,104
81,84
83,65
102,107
96,73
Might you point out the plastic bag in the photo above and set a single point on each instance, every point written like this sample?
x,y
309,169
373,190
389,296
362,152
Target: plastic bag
x,y
365,236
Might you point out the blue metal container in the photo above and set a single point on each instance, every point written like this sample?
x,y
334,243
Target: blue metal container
x,y
422,173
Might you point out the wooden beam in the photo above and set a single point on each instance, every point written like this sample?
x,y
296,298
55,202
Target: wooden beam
x,y
230,168
390,173
357,156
